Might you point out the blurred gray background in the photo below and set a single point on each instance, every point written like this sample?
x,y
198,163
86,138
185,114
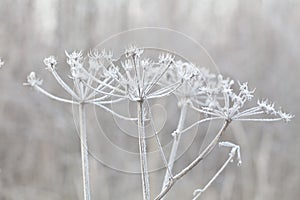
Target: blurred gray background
x,y
254,40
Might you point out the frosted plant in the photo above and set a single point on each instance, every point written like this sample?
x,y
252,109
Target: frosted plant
x,y
235,151
192,78
139,80
100,79
1,62
224,103
84,85
229,105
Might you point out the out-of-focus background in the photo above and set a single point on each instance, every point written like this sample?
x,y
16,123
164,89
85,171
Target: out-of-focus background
x,y
255,41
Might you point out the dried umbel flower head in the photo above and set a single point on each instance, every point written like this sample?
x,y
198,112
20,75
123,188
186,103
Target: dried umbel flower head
x,y
33,80
193,80
166,58
133,50
50,63
137,77
225,103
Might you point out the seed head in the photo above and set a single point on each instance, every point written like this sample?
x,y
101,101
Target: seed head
x,y
50,63
33,80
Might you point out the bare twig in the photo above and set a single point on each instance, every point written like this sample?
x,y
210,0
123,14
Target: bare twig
x,y
234,149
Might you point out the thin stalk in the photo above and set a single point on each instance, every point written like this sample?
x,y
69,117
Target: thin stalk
x,y
198,192
143,151
64,85
259,119
84,152
114,113
51,96
200,122
161,151
203,155
175,145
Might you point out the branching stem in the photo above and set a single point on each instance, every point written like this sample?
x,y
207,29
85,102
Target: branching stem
x,y
175,145
234,150
203,155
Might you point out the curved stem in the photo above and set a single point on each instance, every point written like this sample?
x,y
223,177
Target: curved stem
x,y
114,113
64,85
161,151
198,192
84,152
143,151
203,155
51,96
175,145
104,83
200,122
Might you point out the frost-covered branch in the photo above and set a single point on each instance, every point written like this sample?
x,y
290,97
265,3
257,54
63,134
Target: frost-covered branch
x,y
195,162
99,79
235,150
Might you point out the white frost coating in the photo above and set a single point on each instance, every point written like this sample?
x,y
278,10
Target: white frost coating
x,y
33,80
235,149
99,79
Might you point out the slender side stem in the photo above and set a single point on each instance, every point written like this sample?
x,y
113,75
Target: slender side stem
x,y
64,85
115,113
235,149
143,151
175,145
197,193
203,155
51,96
161,151
84,153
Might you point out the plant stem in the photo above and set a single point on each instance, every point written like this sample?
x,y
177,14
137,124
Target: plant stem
x,y
203,155
200,191
175,145
143,151
84,152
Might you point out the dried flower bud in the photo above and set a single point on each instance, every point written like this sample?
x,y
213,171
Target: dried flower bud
x,y
166,58
285,116
132,50
74,58
33,80
268,108
50,62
